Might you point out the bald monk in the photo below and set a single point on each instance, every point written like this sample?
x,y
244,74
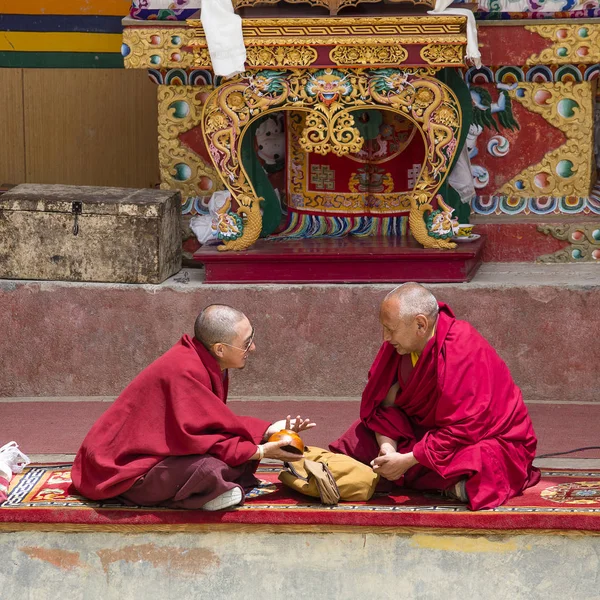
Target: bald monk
x,y
440,410
170,440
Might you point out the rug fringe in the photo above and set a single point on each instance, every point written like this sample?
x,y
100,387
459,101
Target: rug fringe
x,y
303,225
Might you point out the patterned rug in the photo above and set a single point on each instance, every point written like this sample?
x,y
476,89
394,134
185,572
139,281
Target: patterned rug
x,y
563,500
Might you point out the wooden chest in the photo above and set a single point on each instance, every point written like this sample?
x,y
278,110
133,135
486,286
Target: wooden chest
x,y
73,233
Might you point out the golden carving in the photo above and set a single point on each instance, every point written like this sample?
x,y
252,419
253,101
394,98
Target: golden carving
x,y
301,40
567,170
201,58
280,56
437,54
422,27
327,95
250,212
307,200
329,129
168,47
368,55
572,44
157,48
583,237
420,206
179,110
333,6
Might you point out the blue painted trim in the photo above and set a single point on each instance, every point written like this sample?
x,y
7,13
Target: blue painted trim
x,y
62,23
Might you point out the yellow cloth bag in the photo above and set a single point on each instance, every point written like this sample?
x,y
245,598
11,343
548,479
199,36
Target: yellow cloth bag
x,y
353,480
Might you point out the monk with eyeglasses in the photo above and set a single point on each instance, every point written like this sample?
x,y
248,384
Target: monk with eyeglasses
x,y
170,440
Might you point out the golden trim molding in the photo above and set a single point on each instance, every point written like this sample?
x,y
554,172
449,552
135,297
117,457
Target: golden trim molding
x,y
368,55
334,6
280,56
425,25
443,54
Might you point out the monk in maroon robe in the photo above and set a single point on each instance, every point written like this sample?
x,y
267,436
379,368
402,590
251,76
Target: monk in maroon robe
x,y
170,440
440,410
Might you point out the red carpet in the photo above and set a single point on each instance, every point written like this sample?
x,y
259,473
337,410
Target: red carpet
x,y
563,500
59,427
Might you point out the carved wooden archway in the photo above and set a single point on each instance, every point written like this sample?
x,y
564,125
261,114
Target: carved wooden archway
x,y
329,96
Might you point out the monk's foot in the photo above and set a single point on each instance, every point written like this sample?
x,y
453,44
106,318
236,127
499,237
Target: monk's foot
x,y
226,500
457,492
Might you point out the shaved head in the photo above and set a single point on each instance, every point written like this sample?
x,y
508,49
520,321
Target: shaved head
x,y
408,315
412,299
218,323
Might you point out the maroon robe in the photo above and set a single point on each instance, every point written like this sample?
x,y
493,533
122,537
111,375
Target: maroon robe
x,y
173,408
458,410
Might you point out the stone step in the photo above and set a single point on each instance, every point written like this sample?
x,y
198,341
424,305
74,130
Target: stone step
x,y
69,339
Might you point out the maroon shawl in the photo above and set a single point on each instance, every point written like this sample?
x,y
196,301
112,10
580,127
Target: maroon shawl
x,y
466,412
175,407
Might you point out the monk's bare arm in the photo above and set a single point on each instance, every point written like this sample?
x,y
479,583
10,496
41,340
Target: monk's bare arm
x,y
387,445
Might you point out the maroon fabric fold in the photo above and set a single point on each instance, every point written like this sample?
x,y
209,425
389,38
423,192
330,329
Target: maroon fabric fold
x,y
459,411
188,482
174,407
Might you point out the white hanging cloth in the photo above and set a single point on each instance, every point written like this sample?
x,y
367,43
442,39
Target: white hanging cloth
x,y
473,54
223,30
460,177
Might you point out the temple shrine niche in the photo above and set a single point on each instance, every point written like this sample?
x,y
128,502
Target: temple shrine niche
x,y
359,136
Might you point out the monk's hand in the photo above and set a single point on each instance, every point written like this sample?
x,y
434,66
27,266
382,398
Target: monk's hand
x,y
387,445
298,424
274,450
393,466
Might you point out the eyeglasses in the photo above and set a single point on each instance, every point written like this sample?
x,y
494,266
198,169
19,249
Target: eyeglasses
x,y
248,345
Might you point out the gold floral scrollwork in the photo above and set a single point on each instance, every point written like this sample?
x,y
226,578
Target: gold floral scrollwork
x,y
280,56
368,55
329,96
572,44
567,170
443,54
179,110
330,131
201,57
156,48
584,239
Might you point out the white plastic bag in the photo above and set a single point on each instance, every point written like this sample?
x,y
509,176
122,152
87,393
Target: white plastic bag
x,y
205,227
12,461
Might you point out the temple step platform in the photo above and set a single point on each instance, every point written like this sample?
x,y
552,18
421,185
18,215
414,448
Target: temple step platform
x,y
342,260
64,342
80,552
315,339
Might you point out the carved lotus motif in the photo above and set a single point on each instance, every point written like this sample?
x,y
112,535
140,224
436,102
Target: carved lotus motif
x,y
445,116
236,101
424,97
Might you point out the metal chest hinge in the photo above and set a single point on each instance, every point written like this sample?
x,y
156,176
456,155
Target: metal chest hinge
x,y
76,209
